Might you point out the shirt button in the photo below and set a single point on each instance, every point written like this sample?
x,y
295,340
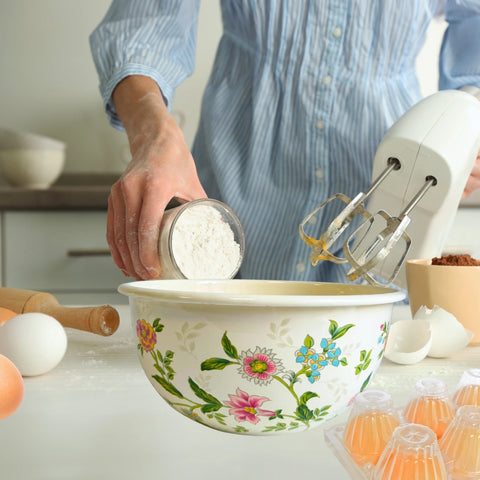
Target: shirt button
x,y
320,125
319,173
301,267
337,32
327,79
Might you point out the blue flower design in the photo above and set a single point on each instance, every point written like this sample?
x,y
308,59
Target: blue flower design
x,y
331,352
333,357
312,359
314,374
307,355
327,344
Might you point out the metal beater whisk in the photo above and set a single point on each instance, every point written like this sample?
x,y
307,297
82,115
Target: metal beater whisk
x,y
377,238
321,247
373,241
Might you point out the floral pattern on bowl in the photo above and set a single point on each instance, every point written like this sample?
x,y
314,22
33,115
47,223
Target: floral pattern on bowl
x,y
259,366
259,357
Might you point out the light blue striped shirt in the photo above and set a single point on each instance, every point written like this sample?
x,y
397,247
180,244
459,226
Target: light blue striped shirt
x,y
300,95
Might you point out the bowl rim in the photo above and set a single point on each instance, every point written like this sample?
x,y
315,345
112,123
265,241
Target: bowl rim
x,y
427,262
175,291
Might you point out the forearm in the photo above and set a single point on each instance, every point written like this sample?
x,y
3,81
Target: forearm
x,y
161,168
141,108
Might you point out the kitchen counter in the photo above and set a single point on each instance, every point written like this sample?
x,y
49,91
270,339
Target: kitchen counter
x,y
70,192
96,416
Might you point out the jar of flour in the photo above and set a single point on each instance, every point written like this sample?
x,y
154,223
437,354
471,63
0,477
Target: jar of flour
x,y
202,239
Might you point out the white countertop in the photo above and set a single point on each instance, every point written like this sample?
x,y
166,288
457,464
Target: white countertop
x,y
96,416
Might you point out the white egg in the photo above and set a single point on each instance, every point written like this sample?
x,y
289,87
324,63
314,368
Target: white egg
x,y
449,336
34,342
408,341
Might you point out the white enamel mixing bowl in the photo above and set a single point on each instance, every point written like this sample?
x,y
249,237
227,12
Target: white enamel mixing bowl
x,y
259,357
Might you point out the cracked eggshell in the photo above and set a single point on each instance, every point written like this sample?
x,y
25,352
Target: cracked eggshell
x,y
408,341
448,335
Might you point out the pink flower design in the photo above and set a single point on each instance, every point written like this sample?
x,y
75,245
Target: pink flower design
x,y
146,334
350,403
245,407
260,365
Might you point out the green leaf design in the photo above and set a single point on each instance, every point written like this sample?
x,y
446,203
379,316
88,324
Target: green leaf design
x,y
203,395
332,328
304,413
219,417
279,427
215,364
157,326
169,387
344,361
340,332
160,369
308,342
228,348
322,412
240,429
307,396
210,407
365,383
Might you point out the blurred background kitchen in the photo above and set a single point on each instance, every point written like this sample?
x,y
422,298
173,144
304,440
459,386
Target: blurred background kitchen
x,y
54,240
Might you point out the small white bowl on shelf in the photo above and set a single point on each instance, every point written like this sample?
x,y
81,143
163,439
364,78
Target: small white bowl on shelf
x,y
29,160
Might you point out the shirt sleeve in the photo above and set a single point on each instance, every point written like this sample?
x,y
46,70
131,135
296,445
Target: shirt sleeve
x,y
154,38
460,51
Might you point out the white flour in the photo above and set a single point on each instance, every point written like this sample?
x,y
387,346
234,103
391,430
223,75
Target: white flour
x,y
203,244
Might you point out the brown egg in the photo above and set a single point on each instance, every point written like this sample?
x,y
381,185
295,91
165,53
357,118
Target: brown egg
x,y
11,387
5,315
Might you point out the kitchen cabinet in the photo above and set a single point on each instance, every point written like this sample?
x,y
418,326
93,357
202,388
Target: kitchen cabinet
x,y
64,253
54,240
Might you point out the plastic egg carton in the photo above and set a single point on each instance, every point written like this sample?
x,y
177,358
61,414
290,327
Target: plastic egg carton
x,y
334,439
435,436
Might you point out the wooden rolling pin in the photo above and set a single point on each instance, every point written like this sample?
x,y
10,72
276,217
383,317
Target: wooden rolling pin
x,y
103,320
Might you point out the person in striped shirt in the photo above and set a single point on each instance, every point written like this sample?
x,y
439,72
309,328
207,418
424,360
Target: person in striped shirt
x,y
299,97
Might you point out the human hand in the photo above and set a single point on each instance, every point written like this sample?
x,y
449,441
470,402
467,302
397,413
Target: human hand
x,y
473,182
161,168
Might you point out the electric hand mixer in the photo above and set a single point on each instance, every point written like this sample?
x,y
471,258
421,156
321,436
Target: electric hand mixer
x,y
420,170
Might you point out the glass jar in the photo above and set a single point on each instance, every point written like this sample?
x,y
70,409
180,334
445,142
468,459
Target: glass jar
x,y
202,239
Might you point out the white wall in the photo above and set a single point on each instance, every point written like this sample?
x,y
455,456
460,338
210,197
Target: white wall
x,y
49,83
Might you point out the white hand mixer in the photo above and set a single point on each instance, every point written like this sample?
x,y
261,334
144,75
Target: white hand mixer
x,y
420,170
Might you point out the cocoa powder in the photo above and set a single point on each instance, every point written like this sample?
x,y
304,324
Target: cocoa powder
x,y
463,260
